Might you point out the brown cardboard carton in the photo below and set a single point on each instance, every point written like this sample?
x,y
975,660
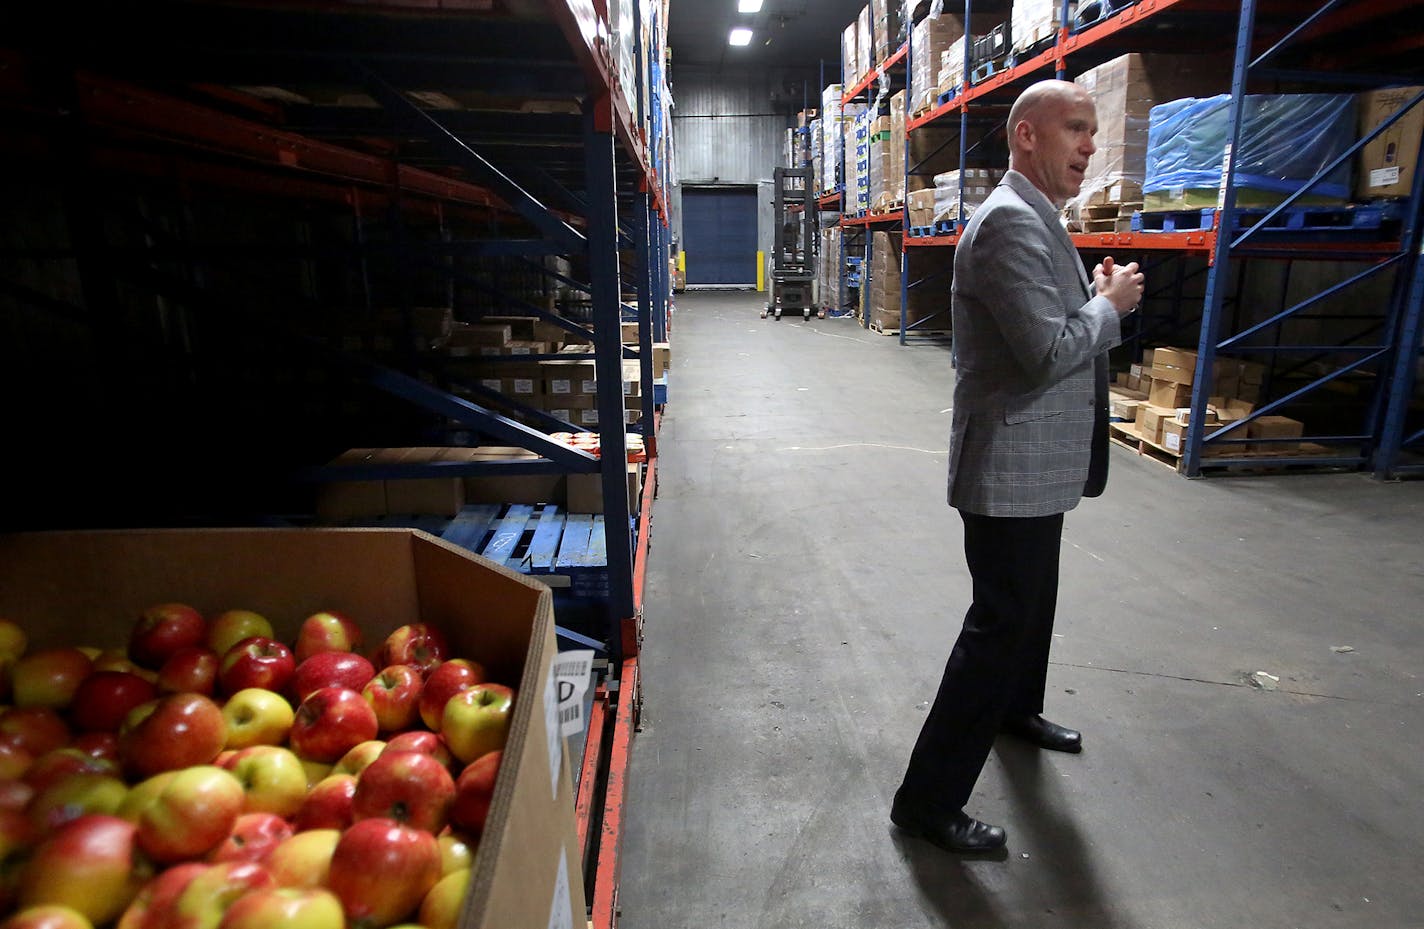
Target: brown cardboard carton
x,y
1388,163
586,491
568,378
1169,393
1149,421
662,358
68,588
435,496
1124,408
1275,427
341,500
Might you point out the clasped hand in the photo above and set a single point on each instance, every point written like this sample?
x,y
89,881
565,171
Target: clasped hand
x,y
1121,284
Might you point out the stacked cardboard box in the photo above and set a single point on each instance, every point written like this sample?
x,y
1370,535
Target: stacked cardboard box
x,y
885,17
858,185
1388,163
897,149
951,66
1166,376
1033,21
883,170
885,280
818,141
850,56
864,42
832,136
978,183
929,37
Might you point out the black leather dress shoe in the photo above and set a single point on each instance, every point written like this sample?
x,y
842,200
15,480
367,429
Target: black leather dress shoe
x,y
953,832
1043,733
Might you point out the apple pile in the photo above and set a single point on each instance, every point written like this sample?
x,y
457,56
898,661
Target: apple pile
x,y
209,776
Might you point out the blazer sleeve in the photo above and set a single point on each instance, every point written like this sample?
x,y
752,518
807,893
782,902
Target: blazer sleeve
x,y
1014,266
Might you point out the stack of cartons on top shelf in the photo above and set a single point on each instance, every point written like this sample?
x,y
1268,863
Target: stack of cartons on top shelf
x,y
1034,23
928,38
832,136
864,43
850,55
951,66
885,24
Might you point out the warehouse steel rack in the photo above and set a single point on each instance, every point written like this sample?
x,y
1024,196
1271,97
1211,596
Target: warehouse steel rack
x,y
1335,43
229,207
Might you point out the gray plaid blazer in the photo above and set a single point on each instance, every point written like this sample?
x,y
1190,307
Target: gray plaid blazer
x,y
1029,432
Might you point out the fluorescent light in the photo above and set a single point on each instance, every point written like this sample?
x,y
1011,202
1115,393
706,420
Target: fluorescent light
x,y
748,6
740,36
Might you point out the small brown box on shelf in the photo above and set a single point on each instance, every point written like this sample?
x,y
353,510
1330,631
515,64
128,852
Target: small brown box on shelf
x,y
1275,427
1169,393
1149,422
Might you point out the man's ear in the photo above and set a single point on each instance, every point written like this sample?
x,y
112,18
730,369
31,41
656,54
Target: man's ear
x,y
1023,131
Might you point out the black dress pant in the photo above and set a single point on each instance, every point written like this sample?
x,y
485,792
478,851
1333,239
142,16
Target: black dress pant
x,y
999,664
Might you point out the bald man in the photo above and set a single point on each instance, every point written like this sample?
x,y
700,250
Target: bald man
x,y
1028,441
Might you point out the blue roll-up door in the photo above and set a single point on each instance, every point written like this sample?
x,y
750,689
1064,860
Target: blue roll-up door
x,y
719,231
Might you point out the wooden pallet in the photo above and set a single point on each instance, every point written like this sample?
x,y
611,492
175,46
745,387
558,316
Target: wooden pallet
x,y
1126,435
877,327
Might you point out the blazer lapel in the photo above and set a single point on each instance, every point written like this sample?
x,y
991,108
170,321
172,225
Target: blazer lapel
x,y
1044,208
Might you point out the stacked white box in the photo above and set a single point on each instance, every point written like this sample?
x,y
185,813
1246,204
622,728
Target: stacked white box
x,y
929,37
951,66
832,142
864,118
978,182
1032,21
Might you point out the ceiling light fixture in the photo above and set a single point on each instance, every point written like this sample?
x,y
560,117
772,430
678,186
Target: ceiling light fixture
x,y
740,36
748,6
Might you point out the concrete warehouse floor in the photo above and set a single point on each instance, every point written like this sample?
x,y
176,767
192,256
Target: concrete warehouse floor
x,y
807,581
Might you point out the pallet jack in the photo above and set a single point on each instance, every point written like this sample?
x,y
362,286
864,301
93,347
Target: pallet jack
x,y
793,262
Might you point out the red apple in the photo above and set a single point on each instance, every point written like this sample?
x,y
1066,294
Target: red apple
x,y
91,864
192,670
256,662
272,778
442,905
256,716
288,907
304,860
49,677
448,678
477,720
418,740
34,729
331,722
48,916
205,899
407,861
233,626
394,693
104,698
177,731
474,791
17,837
15,795
194,812
155,901
417,644
253,838
162,630
328,805
116,659
98,744
409,787
74,796
331,669
328,631
14,761
356,760
62,762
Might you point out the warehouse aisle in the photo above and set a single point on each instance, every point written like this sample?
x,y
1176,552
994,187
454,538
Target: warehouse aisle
x,y
806,583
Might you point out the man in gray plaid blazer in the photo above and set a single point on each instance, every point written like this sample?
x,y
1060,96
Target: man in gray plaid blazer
x,y
1028,441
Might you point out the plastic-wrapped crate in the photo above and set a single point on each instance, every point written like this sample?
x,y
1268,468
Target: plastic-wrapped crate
x,y
1286,139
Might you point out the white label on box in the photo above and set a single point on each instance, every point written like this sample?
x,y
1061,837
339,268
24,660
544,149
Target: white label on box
x,y
523,385
551,730
490,383
1384,177
573,670
590,386
489,349
588,417
564,386
1172,441
561,414
561,914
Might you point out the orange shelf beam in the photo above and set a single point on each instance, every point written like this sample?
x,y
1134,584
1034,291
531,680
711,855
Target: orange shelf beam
x,y
874,73
874,219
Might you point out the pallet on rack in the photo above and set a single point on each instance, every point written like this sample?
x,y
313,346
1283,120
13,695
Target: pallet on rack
x,y
1232,458
922,232
982,72
1365,218
948,227
883,330
945,97
1044,35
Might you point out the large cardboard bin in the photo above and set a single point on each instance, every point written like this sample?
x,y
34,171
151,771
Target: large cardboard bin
x,y
86,588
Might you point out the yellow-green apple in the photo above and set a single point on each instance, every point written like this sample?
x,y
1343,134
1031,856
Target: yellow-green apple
x,y
142,794
14,761
316,771
116,659
172,732
92,864
328,805
287,907
256,662
48,677
331,669
76,795
62,762
304,860
407,860
457,851
257,716
35,729
477,721
205,900
328,631
442,904
155,900
48,917
17,837
409,787
192,670
98,744
232,626
13,640
474,791
394,693
272,779
448,678
104,698
163,629
419,740
192,814
356,760
331,722
253,837
418,644
15,795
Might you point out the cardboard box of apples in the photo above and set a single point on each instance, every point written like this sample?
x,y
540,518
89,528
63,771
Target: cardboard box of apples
x,y
246,729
